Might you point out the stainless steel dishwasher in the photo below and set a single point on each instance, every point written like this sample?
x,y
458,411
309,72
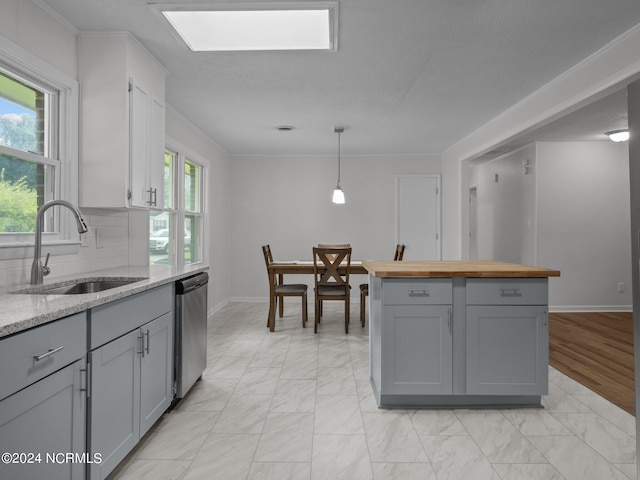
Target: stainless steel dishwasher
x,y
191,331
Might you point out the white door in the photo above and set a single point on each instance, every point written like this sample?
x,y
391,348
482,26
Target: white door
x,y
418,216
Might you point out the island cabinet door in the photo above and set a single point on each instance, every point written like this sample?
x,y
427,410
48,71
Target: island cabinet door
x,y
507,350
417,350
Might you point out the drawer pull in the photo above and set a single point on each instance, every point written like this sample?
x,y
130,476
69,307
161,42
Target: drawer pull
x,y
510,292
418,292
37,358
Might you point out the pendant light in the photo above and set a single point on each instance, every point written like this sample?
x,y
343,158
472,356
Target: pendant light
x,y
338,194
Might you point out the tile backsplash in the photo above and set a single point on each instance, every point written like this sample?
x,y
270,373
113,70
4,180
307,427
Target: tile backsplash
x,y
105,245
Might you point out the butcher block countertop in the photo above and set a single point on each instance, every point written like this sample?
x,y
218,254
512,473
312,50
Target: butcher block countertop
x,y
455,268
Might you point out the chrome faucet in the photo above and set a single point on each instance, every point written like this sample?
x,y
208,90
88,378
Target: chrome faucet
x,y
38,271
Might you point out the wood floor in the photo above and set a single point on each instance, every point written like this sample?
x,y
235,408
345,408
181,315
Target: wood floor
x,y
595,349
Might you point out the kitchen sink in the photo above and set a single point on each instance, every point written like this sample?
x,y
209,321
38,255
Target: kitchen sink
x,y
81,286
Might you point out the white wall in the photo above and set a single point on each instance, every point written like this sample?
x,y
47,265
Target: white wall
x,y
286,202
111,238
570,213
506,207
27,25
584,223
607,70
217,204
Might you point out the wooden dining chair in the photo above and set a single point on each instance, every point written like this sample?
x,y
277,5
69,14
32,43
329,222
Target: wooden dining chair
x,y
282,290
364,287
332,245
330,283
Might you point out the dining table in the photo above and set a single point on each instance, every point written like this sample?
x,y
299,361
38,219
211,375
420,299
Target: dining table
x,y
298,267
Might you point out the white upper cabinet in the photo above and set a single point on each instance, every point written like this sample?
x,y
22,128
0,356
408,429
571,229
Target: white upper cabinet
x,y
122,123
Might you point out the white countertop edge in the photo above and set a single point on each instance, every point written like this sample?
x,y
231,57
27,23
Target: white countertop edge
x,y
20,312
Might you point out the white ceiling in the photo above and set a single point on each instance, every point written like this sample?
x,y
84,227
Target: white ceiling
x,y
409,76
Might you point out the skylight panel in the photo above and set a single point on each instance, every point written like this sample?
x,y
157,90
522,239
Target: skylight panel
x,y
238,30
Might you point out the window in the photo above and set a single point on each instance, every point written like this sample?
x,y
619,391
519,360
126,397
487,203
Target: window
x,y
28,161
176,230
192,212
38,151
161,223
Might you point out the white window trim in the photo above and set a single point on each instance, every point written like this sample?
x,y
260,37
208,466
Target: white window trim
x,y
185,153
173,211
23,62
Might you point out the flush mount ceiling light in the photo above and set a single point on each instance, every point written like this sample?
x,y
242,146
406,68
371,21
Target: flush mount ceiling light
x,y
338,194
254,26
621,135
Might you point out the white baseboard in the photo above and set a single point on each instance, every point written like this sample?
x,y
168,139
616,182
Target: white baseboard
x,y
249,299
217,307
590,308
552,308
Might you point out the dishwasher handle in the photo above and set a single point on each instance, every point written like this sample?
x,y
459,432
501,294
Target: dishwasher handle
x,y
189,284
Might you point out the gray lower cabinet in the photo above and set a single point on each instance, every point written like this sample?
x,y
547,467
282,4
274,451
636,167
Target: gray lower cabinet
x,y
115,399
43,423
417,349
43,407
131,377
156,368
507,350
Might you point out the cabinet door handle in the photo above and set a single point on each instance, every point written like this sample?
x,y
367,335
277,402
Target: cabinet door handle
x,y
153,197
51,351
150,201
418,292
450,321
148,342
87,379
141,344
510,292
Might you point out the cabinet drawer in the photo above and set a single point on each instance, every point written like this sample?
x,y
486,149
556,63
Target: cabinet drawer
x,y
113,320
29,356
432,291
507,291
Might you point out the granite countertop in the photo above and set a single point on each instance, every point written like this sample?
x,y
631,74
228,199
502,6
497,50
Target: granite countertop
x,y
453,268
20,311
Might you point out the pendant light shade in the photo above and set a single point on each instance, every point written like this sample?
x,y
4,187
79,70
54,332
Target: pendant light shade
x,y
338,194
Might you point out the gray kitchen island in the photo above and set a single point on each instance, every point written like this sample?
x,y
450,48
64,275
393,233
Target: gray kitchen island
x,y
458,334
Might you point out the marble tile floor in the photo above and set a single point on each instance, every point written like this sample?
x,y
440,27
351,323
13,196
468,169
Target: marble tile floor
x,y
291,405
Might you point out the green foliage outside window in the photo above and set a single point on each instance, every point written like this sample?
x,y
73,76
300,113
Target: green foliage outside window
x,y
22,117
18,205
